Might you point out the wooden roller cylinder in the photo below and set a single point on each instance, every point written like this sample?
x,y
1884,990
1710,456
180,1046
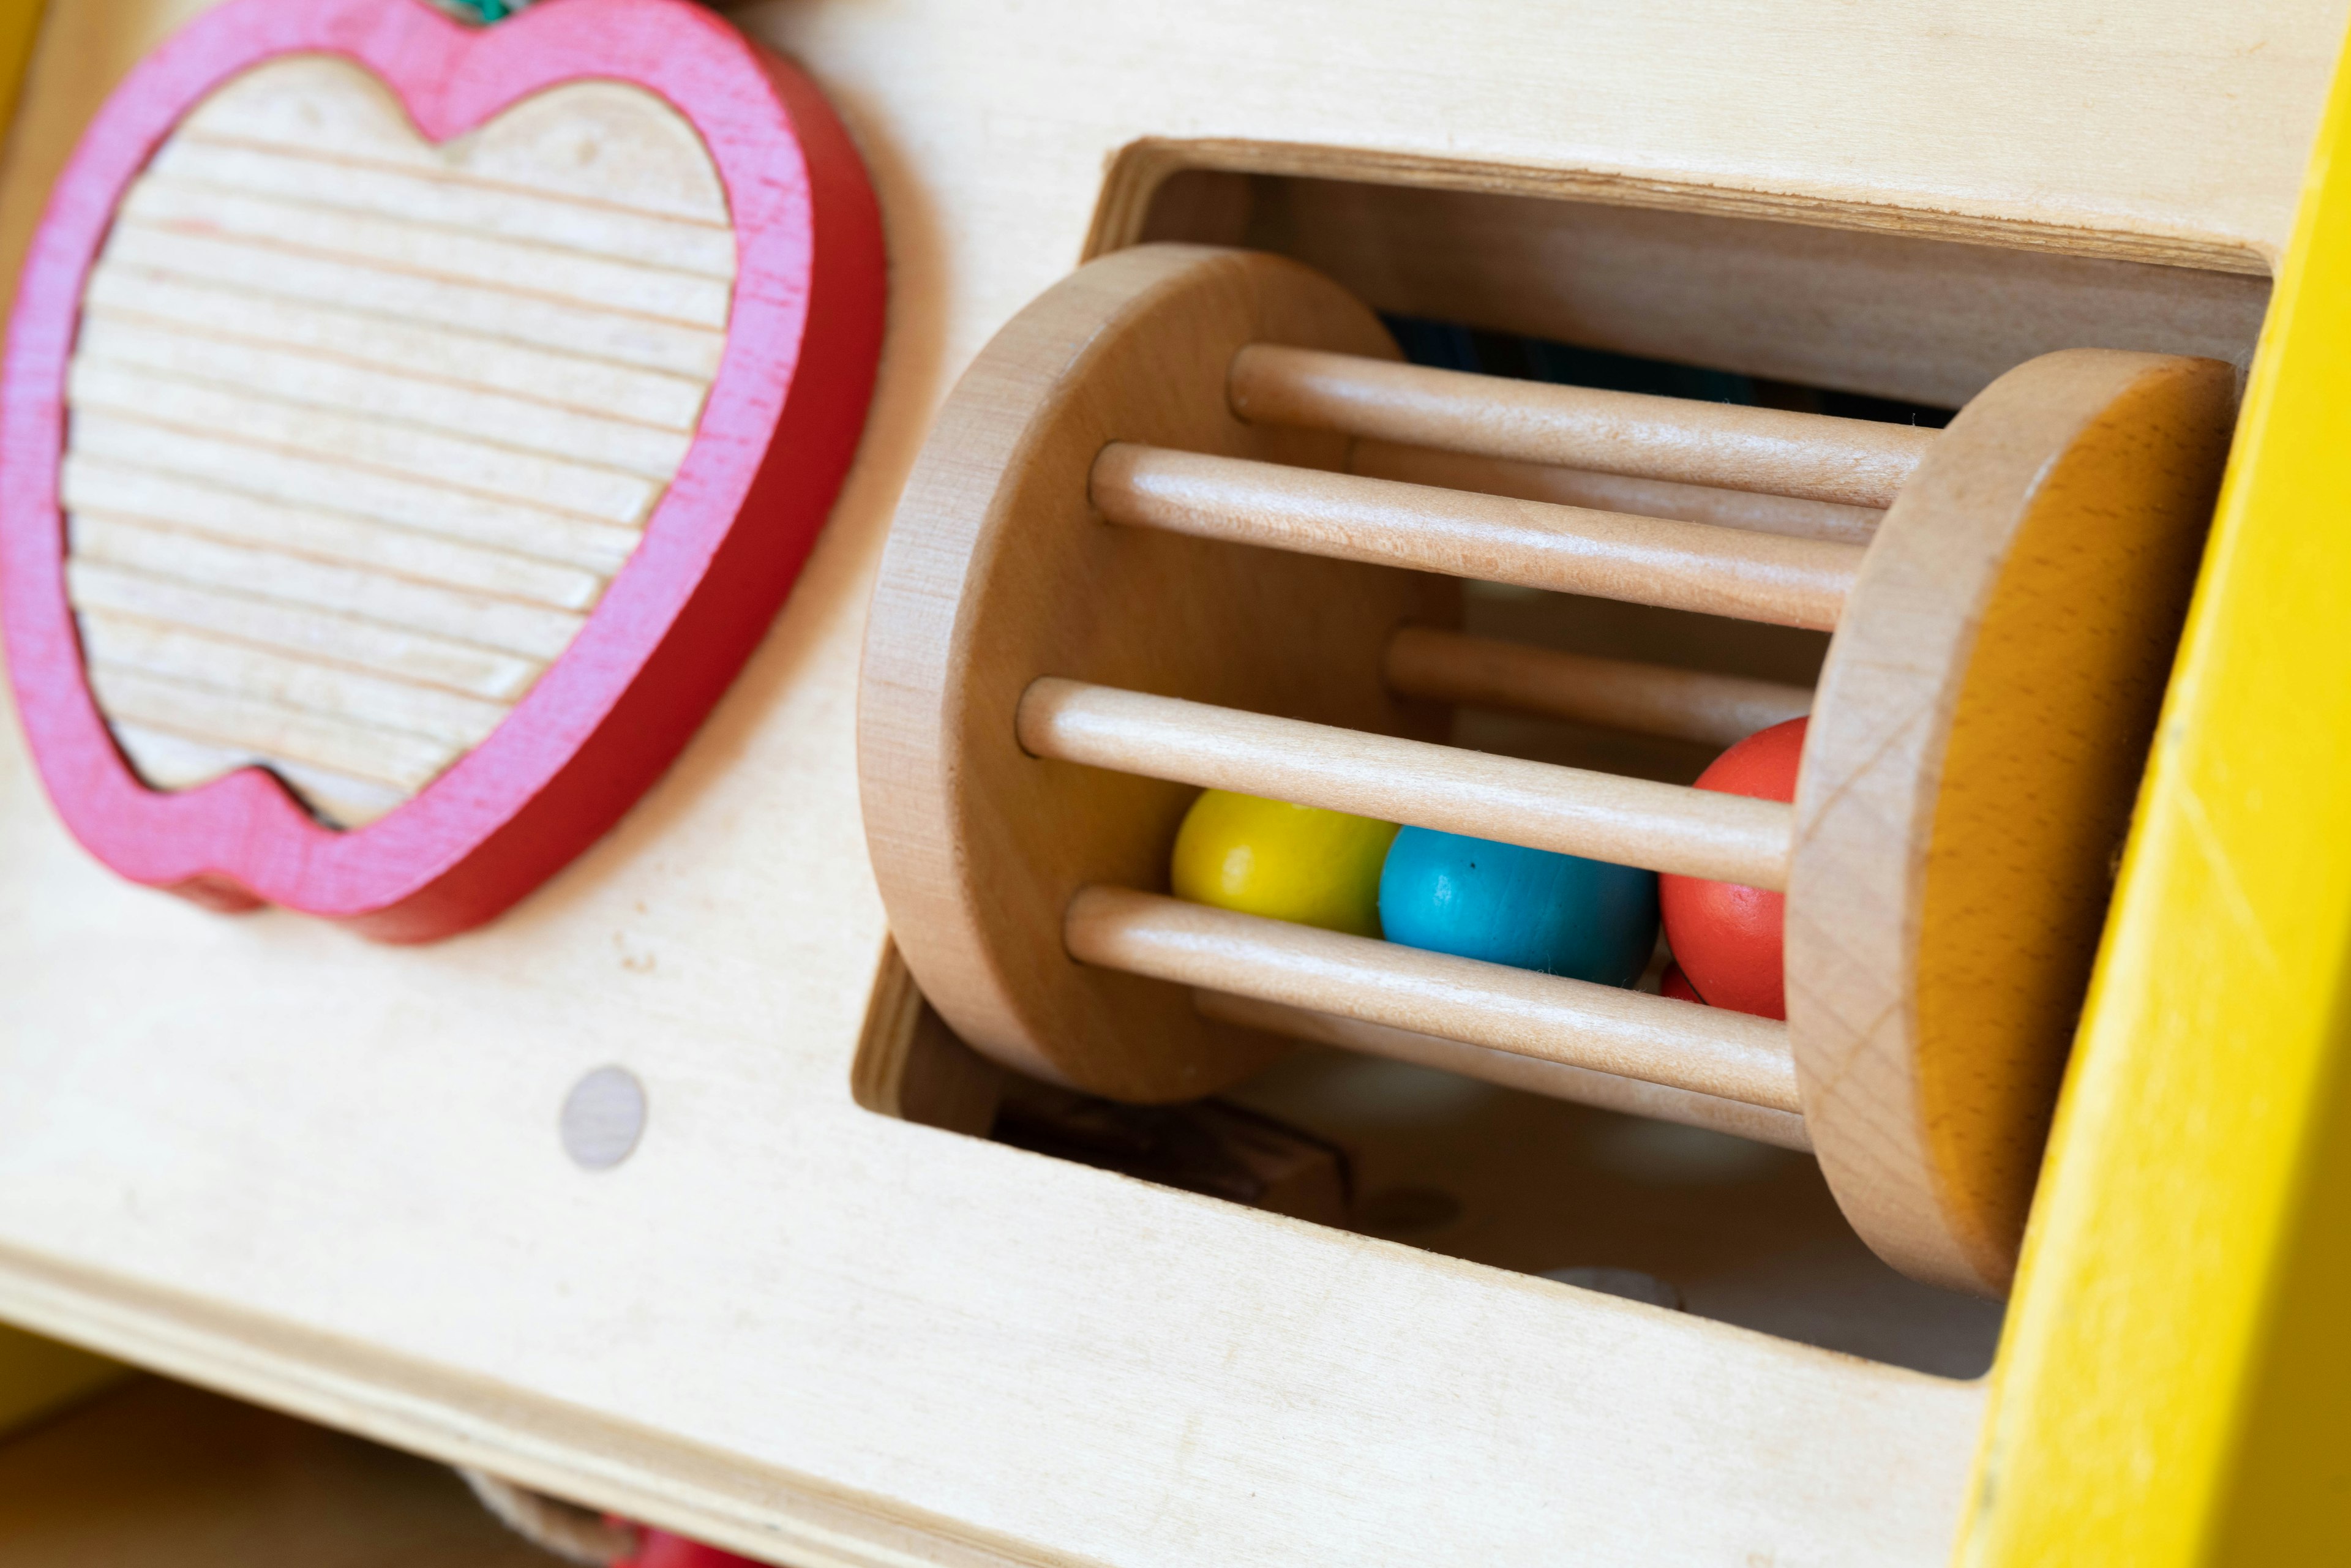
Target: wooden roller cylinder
x,y
1135,561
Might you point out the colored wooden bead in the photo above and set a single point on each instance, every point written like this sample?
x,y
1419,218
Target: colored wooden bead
x,y
1726,937
1675,984
1286,862
1531,909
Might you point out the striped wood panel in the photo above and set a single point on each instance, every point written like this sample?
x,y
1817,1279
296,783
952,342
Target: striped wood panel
x,y
362,427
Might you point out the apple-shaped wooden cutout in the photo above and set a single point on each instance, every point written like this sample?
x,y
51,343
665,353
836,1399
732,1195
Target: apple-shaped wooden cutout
x,y
409,428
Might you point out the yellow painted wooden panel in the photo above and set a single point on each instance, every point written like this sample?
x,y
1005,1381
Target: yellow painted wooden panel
x,y
2172,1384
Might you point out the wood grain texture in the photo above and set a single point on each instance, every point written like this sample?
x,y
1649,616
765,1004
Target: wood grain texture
x,y
1968,779
2007,981
1571,811
1510,1070
1613,693
446,553
911,1066
1604,1027
312,156
1611,1358
1851,461
1616,493
1494,538
912,1328
999,571
1664,270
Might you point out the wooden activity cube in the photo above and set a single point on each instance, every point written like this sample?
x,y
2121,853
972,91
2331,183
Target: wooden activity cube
x,y
647,1168
1186,522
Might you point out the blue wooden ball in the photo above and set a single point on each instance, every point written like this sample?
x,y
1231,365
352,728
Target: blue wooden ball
x,y
1531,909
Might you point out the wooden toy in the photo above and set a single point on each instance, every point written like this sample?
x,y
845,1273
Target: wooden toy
x,y
1145,423
812,1313
437,417
1530,909
1282,862
1727,938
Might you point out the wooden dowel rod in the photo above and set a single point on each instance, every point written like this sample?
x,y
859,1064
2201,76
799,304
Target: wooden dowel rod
x,y
1632,1034
1495,539
1534,1075
1855,462
1544,806
1617,493
1614,694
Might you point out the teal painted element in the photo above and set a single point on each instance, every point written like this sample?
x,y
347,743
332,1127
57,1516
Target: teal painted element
x,y
1530,909
481,12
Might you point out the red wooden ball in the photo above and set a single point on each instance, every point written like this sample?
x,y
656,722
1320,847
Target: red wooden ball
x,y
1726,937
1675,984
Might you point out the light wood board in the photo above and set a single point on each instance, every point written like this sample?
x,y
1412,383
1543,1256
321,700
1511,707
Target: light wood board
x,y
326,1174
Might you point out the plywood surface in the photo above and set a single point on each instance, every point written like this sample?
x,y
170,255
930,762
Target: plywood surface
x,y
271,1155
1930,322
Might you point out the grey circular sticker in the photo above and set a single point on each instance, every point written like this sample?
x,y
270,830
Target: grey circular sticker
x,y
603,1118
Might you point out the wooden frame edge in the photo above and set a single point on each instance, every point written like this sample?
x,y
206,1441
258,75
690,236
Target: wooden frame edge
x,y
909,1065
461,1418
1140,168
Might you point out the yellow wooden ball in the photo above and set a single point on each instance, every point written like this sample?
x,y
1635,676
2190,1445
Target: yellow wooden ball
x,y
1283,861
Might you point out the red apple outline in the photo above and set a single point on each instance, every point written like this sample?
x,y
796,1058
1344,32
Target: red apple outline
x,y
719,553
